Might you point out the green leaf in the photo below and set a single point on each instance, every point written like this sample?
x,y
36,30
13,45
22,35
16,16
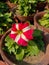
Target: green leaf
x,y
20,54
9,42
9,39
32,1
9,20
32,48
16,46
44,21
12,50
3,7
37,33
1,15
7,15
1,31
11,45
40,44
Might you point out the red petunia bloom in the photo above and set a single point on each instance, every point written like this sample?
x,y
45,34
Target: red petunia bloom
x,y
21,33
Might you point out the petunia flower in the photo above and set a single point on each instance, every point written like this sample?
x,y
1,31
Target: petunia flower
x,y
21,33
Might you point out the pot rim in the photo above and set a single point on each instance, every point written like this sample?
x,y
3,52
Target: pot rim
x,y
43,28
1,51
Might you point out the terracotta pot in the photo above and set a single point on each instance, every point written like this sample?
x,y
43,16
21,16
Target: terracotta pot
x,y
11,59
1,35
2,63
25,18
36,18
47,5
13,6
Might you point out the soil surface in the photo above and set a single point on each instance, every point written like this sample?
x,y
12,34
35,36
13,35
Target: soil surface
x,y
34,59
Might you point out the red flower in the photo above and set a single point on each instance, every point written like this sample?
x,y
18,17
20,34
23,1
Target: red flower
x,y
21,33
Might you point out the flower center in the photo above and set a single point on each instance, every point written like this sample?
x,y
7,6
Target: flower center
x,y
19,31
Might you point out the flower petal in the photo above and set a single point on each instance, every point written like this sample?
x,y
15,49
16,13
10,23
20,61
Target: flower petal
x,y
26,29
20,26
24,37
17,26
13,32
17,38
23,25
28,34
14,27
22,42
13,36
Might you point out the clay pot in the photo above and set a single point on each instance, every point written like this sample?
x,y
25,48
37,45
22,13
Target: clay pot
x,y
10,59
36,18
12,7
40,7
2,63
47,5
1,35
25,18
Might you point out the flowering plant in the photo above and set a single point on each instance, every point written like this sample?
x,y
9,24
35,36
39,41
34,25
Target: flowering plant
x,y
5,18
21,33
26,7
23,41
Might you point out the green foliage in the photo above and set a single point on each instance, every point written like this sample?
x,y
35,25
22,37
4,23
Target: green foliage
x,y
5,18
37,33
32,48
26,7
14,1
39,39
20,52
9,44
3,7
14,48
30,1
45,20
6,21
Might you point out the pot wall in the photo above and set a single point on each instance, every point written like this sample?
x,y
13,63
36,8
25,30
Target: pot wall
x,y
36,18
